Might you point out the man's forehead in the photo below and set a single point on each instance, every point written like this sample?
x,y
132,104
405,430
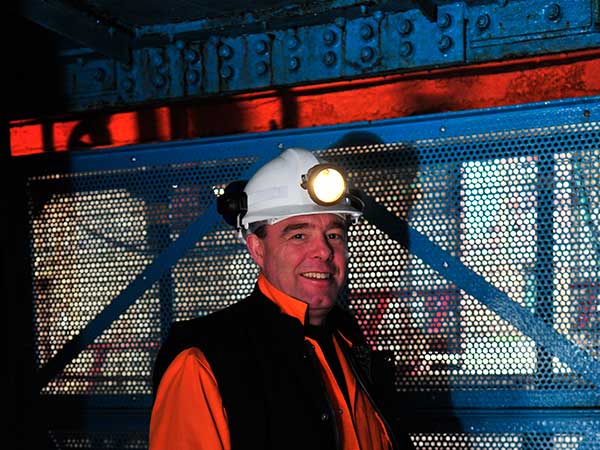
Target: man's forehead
x,y
329,220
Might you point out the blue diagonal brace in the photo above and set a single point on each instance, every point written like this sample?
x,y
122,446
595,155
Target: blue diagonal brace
x,y
475,285
136,288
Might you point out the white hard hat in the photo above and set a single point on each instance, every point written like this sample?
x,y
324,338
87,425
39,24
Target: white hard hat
x,y
280,189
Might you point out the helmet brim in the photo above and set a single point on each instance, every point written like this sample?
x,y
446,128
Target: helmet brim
x,y
275,215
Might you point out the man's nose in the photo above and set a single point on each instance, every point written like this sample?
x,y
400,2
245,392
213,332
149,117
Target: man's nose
x,y
322,248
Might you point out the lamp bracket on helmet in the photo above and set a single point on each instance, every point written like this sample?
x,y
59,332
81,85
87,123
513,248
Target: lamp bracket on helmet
x,y
233,203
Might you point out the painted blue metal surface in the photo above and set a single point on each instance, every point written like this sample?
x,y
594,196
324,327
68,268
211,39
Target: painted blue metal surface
x,y
378,43
527,26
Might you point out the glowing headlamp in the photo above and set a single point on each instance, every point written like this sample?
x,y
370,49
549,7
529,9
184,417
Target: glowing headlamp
x,y
325,183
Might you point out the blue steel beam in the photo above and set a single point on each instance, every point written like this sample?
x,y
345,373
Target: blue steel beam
x,y
375,43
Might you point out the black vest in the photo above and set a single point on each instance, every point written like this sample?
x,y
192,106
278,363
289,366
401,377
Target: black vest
x,y
268,374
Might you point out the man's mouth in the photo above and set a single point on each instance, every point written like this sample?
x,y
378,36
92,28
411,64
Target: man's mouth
x,y
316,275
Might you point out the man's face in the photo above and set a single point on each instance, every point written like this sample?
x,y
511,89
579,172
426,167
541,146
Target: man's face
x,y
305,257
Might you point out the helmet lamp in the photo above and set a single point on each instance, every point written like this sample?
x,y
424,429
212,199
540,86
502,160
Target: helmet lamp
x,y
325,183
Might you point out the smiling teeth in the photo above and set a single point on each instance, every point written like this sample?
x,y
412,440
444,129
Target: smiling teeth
x,y
317,275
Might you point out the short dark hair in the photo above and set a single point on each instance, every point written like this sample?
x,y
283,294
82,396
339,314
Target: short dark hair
x,y
261,231
258,229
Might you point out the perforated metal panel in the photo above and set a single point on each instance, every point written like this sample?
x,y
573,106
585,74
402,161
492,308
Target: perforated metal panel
x,y
477,264
93,233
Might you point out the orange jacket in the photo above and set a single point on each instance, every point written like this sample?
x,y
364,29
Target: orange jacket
x,y
188,413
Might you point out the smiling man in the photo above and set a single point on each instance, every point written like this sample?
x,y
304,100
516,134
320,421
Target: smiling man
x,y
287,367
305,257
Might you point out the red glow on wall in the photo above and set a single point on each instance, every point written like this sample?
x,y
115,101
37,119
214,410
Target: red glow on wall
x,y
455,89
26,139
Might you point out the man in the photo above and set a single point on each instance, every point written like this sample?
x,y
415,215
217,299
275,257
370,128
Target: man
x,y
285,368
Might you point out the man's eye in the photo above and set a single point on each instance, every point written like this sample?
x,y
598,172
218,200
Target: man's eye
x,y
335,236
298,236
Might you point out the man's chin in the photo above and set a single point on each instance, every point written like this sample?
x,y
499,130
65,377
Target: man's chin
x,y
322,304
317,315
318,298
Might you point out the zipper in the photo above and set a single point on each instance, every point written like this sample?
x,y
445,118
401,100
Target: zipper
x,y
312,356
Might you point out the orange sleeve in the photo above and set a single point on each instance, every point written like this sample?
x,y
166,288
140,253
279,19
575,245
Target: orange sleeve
x,y
188,412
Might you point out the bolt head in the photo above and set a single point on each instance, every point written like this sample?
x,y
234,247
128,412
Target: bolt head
x,y
329,59
444,43
367,54
292,43
406,26
157,59
366,32
294,63
190,55
329,37
192,76
261,68
261,47
406,49
225,51
159,80
226,72
553,12
483,21
444,20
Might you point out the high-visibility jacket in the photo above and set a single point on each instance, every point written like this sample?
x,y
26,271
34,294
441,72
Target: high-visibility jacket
x,y
247,377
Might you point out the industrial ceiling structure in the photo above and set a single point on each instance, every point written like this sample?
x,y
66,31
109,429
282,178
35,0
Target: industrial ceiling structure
x,y
125,54
115,28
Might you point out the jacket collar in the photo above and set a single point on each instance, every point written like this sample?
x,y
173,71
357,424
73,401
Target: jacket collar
x,y
287,304
338,318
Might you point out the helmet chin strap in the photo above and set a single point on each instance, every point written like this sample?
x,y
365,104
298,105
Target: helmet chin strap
x,y
240,229
240,236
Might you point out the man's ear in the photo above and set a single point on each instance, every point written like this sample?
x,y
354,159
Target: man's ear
x,y
256,248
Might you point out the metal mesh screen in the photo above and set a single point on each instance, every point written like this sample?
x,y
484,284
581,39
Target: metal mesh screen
x,y
433,441
69,440
494,441
92,234
518,207
524,215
